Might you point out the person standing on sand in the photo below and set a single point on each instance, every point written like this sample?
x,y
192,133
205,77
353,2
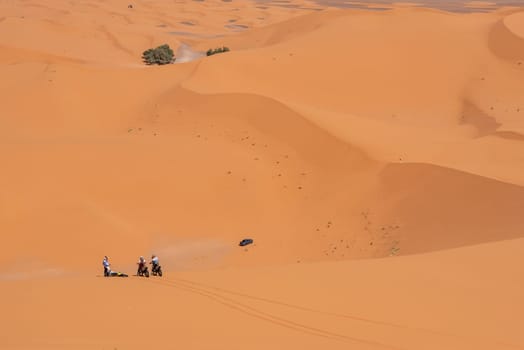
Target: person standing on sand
x,y
141,264
107,267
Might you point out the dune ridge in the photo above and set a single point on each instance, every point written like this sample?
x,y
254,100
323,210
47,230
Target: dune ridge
x,y
380,175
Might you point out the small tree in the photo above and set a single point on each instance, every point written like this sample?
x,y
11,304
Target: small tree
x,y
160,55
217,50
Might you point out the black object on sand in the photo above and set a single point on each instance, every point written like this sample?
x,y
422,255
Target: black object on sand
x,y
117,274
245,242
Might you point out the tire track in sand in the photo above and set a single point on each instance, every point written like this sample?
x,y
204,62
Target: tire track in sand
x,y
268,317
114,40
208,291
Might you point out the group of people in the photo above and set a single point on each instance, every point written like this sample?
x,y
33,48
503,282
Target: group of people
x,y
142,263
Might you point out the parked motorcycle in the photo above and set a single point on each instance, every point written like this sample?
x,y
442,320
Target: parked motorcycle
x,y
156,270
142,270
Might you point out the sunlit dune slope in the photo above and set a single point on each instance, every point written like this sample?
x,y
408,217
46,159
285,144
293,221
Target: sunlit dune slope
x,y
391,141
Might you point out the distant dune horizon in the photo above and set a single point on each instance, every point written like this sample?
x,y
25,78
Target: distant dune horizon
x,y
378,5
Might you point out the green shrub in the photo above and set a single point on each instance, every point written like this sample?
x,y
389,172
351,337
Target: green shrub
x,y
217,50
160,55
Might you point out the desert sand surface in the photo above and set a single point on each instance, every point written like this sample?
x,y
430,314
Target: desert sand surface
x,y
374,152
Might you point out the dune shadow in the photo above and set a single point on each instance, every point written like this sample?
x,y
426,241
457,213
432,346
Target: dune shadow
x,y
444,208
237,27
504,44
509,135
485,124
481,121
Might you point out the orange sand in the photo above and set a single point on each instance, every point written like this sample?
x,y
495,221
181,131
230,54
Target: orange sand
x,y
375,157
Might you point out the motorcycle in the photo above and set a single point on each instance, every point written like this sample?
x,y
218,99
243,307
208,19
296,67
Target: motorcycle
x,y
156,269
142,270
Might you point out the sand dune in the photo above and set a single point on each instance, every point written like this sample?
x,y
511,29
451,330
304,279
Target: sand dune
x,y
375,157
459,299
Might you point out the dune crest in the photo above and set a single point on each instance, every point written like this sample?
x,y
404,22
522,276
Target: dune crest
x,y
372,152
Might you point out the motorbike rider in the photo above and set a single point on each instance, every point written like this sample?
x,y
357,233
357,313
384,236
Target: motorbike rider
x,y
154,262
107,266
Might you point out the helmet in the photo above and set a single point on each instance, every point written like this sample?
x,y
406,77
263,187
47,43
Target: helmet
x,y
141,258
